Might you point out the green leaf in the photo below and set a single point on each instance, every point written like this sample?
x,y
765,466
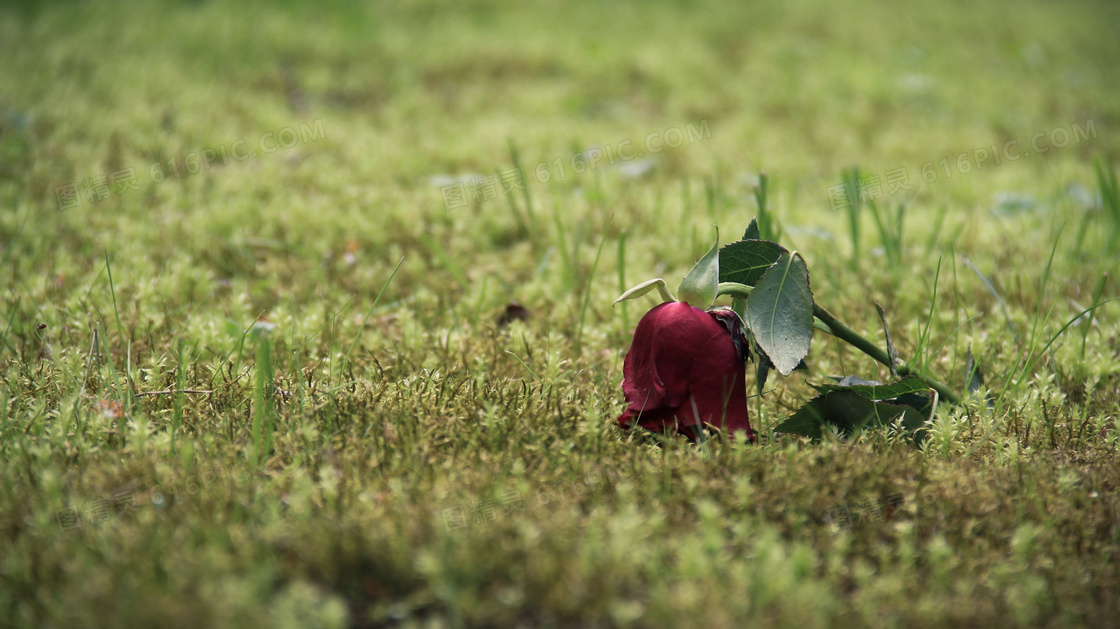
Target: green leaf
x,y
849,412
780,312
700,286
645,287
909,384
752,232
763,365
746,261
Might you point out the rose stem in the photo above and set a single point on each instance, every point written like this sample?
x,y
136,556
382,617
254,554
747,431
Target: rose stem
x,y
833,326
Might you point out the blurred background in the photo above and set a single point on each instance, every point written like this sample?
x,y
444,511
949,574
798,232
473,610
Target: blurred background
x,y
413,90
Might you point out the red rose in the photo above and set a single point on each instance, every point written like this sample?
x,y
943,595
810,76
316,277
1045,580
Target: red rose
x,y
684,369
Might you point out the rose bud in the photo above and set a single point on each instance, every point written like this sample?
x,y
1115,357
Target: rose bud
x,y
685,370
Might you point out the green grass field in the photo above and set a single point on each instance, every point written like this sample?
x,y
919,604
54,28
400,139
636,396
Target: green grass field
x,y
260,366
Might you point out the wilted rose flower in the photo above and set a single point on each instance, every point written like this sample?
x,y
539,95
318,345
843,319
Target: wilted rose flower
x,y
685,368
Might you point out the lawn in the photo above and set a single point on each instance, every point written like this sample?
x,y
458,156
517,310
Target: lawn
x,y
306,315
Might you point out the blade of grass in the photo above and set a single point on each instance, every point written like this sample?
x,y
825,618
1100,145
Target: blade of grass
x,y
8,328
587,296
1110,198
439,252
1029,358
922,350
767,225
568,273
622,279
113,292
94,349
516,158
180,380
262,425
358,335
999,300
1089,323
851,185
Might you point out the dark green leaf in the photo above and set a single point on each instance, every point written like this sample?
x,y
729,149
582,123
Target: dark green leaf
x,y
762,364
780,313
921,402
849,412
746,261
752,232
761,370
909,384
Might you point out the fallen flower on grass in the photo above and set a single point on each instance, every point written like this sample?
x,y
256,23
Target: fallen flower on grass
x,y
684,371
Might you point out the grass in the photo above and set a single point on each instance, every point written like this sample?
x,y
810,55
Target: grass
x,y
276,390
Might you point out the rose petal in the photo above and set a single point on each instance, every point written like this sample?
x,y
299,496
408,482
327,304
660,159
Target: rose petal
x,y
657,367
717,383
